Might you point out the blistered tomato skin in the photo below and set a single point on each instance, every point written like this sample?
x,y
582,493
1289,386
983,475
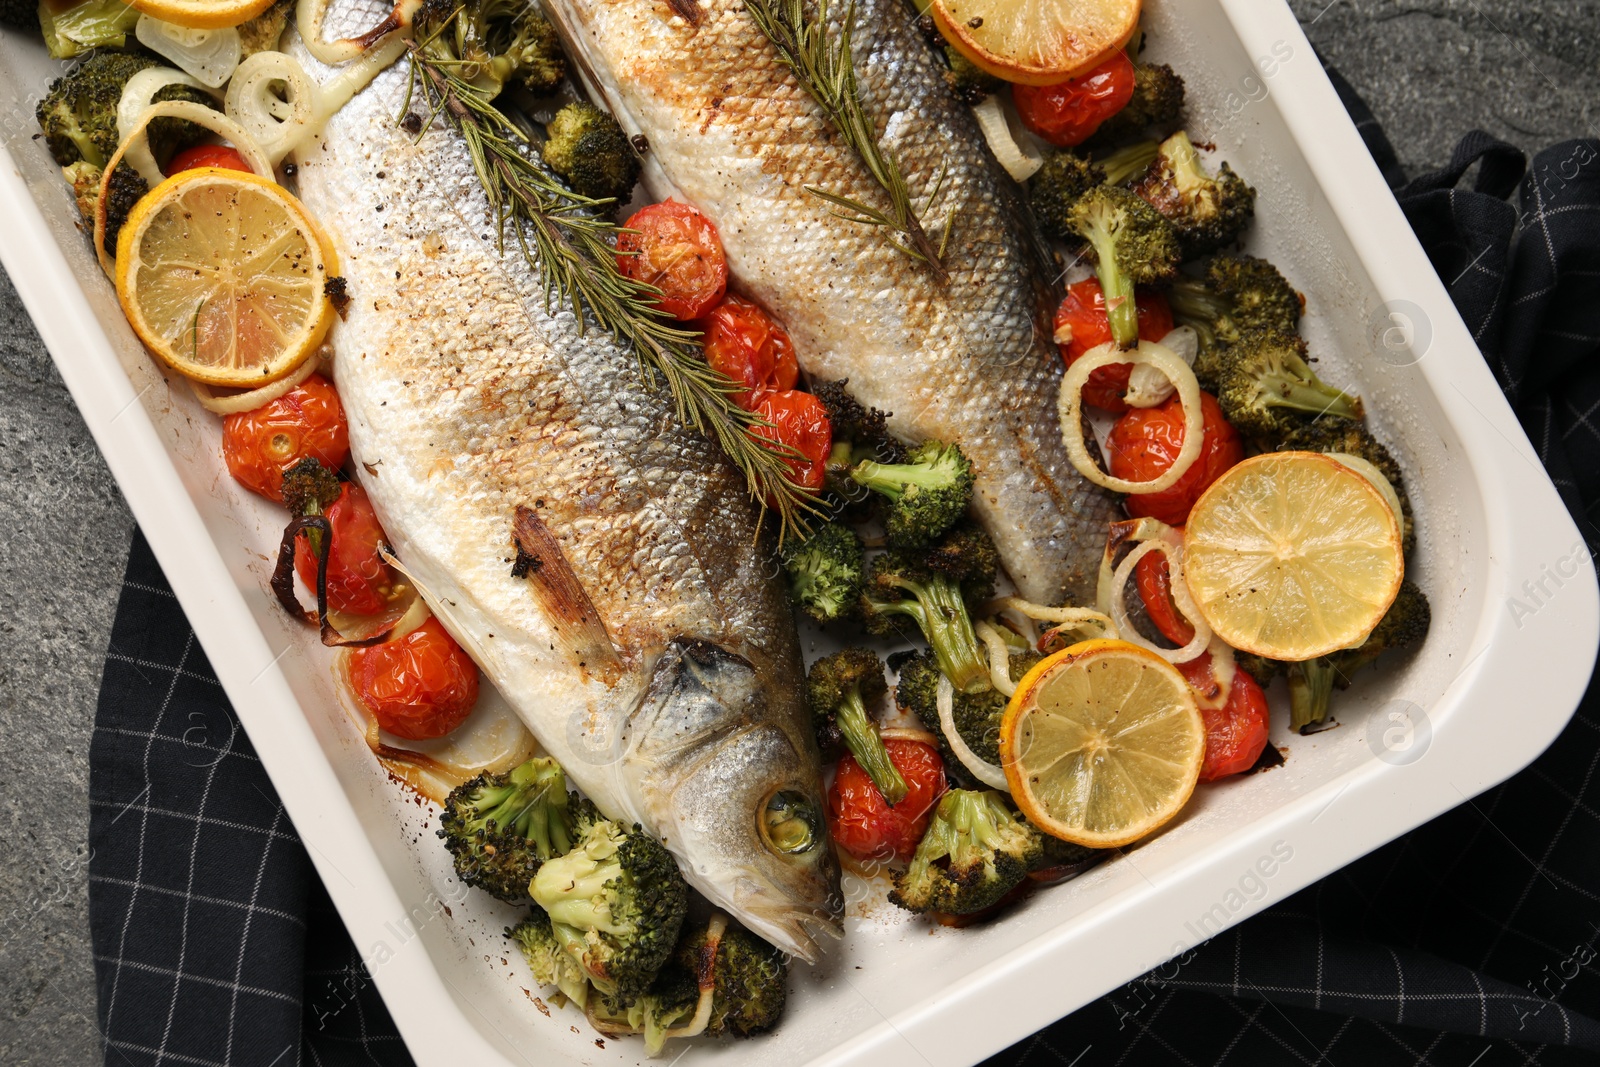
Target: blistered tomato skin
x,y
864,824
1236,733
743,342
1153,578
307,421
1145,442
1069,113
800,421
419,687
1083,321
676,249
359,581
207,155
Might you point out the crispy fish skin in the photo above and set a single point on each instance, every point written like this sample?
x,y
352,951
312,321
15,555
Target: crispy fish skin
x,y
731,131
485,424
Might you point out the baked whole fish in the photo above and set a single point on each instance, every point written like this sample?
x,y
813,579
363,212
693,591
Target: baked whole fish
x,y
600,563
731,132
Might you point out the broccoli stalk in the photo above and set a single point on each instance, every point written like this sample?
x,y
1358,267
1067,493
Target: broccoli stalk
x,y
838,689
501,828
1208,212
1266,383
548,959
927,494
932,590
974,852
587,147
616,901
1311,683
1132,244
826,571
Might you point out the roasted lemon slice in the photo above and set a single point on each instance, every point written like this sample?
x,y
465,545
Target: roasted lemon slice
x,y
1036,42
221,275
1102,743
202,14
1292,555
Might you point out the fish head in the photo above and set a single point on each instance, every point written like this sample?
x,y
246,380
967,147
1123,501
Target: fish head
x,y
736,797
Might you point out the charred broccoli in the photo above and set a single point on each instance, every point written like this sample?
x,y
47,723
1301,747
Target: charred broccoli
x,y
1312,682
1208,212
548,959
497,43
826,571
1065,177
749,977
589,150
1351,438
125,189
76,28
1131,244
864,429
309,487
501,828
931,589
616,902
838,689
262,33
976,716
1266,387
968,82
79,113
974,852
1060,860
670,1001
1157,101
1239,293
927,494
539,65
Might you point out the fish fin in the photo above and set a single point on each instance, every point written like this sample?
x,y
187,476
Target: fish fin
x,y
570,611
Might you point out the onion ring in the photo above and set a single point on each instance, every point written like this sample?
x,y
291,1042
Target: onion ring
x,y
255,398
1070,406
990,775
1019,158
275,122
1180,596
999,658
137,95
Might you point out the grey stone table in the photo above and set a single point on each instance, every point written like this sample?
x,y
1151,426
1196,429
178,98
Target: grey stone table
x,y
1526,70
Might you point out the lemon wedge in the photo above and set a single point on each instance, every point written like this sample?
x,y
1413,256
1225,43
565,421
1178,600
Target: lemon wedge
x,y
1036,42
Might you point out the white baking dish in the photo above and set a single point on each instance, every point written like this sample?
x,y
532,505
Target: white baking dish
x,y
1498,678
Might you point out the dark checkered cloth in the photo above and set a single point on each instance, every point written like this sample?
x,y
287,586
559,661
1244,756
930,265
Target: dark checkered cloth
x,y
1471,941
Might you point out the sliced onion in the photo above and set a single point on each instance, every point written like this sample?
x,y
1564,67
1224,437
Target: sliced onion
x,y
1061,617
981,769
209,56
308,18
1180,596
276,122
1148,387
137,95
999,658
255,398
1070,406
200,115
338,91
1020,160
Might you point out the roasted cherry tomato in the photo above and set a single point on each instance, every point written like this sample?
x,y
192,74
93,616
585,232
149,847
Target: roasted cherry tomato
x,y
359,582
1083,314
677,250
307,421
1237,731
743,342
864,824
800,421
1153,579
206,155
1144,443
418,687
1069,113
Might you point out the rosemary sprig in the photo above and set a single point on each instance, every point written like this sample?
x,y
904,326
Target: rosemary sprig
x,y
823,64
571,240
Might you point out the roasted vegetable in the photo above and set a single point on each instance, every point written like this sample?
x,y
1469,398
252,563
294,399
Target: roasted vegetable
x,y
838,689
826,571
1157,101
501,828
975,851
79,113
76,28
1311,683
1208,211
1131,244
926,495
551,963
1239,293
1268,390
589,150
976,715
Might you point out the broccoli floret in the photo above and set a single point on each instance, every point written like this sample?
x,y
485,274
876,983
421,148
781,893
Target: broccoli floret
x,y
866,429
749,976
1208,212
79,113
905,585
927,494
125,189
497,43
974,852
1157,101
1131,244
309,487
1268,390
23,14
1351,438
262,33
826,571
670,1001
551,963
74,30
535,51
616,901
968,82
1311,683
589,150
976,715
84,177
1065,177
502,827
1239,293
838,689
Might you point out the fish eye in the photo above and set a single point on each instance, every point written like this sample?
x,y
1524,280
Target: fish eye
x,y
789,823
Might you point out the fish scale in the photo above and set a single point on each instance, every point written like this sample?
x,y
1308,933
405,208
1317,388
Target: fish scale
x,y
474,409
731,131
